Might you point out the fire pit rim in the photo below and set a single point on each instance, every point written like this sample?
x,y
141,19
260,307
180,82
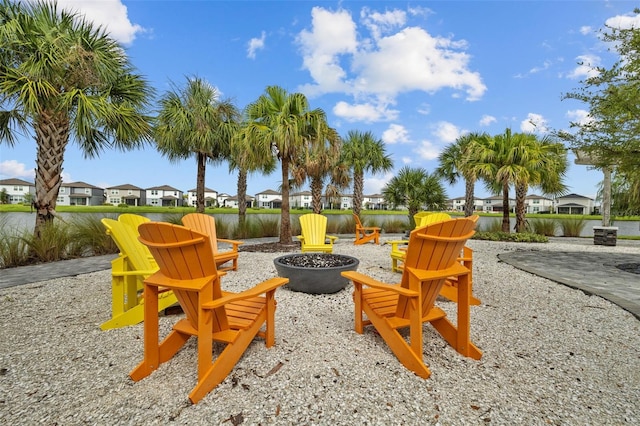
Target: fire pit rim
x,y
315,280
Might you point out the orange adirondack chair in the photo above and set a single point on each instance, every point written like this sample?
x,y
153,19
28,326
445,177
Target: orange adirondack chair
x,y
431,259
185,258
128,270
364,234
207,225
449,289
314,234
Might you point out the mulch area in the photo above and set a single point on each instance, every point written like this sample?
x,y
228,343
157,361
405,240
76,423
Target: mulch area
x,y
270,247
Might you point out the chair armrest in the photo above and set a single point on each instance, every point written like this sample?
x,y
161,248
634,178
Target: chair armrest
x,y
234,243
134,273
396,243
264,287
300,237
369,228
332,238
456,270
362,279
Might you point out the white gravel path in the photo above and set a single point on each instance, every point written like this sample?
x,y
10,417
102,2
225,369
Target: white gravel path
x,y
552,355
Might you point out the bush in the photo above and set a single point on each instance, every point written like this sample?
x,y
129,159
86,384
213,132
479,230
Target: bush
x,y
493,226
89,234
543,226
516,237
572,227
395,226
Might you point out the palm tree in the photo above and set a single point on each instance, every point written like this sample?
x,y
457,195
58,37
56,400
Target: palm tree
x,y
68,80
456,162
246,160
544,165
318,161
362,152
281,123
415,189
194,121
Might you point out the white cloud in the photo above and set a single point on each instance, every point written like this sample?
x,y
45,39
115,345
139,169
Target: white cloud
x,y
534,123
428,150
406,160
425,109
365,112
396,133
545,66
447,132
13,169
584,30
255,44
373,185
332,35
486,120
110,14
624,22
379,23
579,116
586,67
395,59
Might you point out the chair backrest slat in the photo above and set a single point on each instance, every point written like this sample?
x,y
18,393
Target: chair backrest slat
x,y
314,228
204,224
126,238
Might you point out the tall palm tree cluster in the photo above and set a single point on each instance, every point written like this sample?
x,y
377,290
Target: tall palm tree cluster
x,y
508,160
66,80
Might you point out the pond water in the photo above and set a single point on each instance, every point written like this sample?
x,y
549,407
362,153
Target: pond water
x,y
27,220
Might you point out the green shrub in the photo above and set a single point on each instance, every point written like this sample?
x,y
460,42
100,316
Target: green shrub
x,y
516,237
395,226
572,227
543,226
14,250
89,234
492,226
55,243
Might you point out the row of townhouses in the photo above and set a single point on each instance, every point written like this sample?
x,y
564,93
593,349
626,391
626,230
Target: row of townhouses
x,y
83,194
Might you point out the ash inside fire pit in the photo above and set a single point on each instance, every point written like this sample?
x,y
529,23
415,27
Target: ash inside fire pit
x,y
317,260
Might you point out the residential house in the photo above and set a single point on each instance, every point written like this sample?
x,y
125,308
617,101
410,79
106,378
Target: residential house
x,y
494,204
346,202
128,194
538,204
374,202
233,202
210,197
269,199
18,191
164,196
80,194
222,199
300,200
457,204
574,204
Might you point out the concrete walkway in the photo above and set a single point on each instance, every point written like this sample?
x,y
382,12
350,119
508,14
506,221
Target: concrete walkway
x,y
593,273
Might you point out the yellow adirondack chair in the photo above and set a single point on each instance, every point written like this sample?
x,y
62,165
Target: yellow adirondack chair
x,y
314,234
207,225
186,265
133,220
128,270
364,234
432,257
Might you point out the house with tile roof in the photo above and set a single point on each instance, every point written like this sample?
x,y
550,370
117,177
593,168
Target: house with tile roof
x,y
164,196
128,194
18,191
80,194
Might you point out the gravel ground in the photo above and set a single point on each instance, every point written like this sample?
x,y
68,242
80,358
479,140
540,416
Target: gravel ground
x,y
552,355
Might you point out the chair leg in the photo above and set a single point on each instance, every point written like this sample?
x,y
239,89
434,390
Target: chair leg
x,y
214,373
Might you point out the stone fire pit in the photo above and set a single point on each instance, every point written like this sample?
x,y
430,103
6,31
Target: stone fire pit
x,y
315,273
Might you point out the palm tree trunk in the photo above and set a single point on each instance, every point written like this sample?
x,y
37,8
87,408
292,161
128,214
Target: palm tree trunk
x,y
52,136
316,195
505,207
469,186
521,193
242,195
202,164
285,218
358,184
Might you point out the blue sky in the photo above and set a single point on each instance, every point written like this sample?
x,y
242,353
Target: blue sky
x,y
417,74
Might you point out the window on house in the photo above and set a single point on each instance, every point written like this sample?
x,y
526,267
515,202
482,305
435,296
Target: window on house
x,y
154,192
61,190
